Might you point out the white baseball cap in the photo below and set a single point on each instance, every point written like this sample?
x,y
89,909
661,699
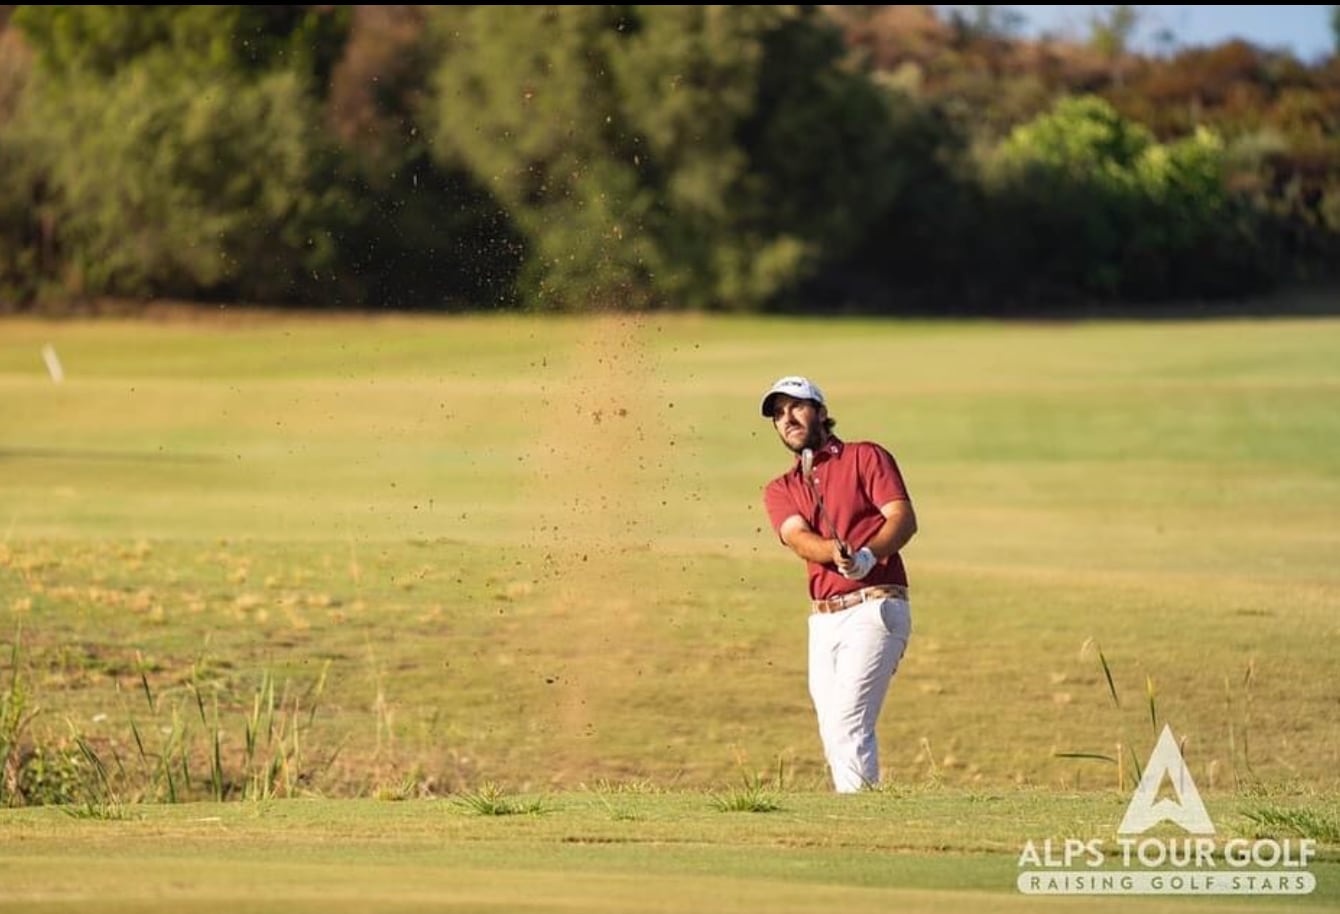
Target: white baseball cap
x,y
792,386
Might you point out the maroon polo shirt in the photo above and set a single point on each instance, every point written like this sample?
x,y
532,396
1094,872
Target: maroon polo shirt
x,y
854,479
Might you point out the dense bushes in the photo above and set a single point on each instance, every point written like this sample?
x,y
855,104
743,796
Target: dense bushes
x,y
643,157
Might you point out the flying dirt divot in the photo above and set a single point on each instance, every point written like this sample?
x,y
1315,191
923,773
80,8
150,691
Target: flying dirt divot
x,y
602,452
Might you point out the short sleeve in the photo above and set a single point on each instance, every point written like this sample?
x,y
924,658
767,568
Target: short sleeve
x,y
779,503
883,479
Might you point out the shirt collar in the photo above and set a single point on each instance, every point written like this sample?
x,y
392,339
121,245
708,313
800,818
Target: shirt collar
x,y
832,448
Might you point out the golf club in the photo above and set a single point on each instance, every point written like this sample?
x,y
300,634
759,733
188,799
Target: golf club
x,y
807,471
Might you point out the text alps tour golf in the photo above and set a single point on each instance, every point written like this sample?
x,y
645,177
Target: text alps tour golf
x,y
1137,863
1205,853
1176,866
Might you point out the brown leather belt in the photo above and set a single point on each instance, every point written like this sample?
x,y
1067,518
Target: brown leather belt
x,y
847,600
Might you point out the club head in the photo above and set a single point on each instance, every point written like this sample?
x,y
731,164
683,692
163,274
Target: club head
x,y
807,463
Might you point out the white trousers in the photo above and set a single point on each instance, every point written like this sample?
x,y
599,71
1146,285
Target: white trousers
x,y
853,656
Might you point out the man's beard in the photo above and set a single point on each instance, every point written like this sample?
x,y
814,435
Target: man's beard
x,y
814,439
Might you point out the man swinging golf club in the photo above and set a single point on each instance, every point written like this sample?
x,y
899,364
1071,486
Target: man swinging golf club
x,y
843,508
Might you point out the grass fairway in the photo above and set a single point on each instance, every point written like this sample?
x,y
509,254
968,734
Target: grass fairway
x,y
431,554
921,850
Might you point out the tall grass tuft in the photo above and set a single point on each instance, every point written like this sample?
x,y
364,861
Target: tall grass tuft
x,y
1239,747
165,769
753,796
103,801
492,800
15,718
1274,821
272,762
1124,749
407,787
180,737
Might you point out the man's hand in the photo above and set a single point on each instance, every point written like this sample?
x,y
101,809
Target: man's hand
x,y
859,565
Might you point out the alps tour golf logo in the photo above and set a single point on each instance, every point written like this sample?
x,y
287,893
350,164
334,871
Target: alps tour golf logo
x,y
1191,864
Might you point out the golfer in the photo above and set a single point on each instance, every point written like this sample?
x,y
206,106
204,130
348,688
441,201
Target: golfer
x,y
843,508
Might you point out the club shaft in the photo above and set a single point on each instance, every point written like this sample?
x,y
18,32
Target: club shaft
x,y
827,521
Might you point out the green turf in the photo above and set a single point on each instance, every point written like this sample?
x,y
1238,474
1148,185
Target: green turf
x,y
614,850
532,551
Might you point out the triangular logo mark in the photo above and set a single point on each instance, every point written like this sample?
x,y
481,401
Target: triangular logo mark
x,y
1166,766
1167,790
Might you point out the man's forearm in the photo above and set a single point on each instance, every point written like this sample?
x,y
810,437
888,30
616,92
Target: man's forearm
x,y
812,547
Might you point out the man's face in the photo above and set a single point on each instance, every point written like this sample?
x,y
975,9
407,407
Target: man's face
x,y
799,423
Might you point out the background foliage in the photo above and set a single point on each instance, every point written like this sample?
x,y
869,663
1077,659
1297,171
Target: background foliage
x,y
741,158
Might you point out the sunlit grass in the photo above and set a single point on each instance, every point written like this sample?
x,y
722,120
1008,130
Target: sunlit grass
x,y
534,553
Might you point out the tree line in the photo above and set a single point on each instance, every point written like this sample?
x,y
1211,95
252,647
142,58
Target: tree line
x,y
716,158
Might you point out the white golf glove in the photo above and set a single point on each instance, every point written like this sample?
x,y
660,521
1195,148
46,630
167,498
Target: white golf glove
x,y
861,563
